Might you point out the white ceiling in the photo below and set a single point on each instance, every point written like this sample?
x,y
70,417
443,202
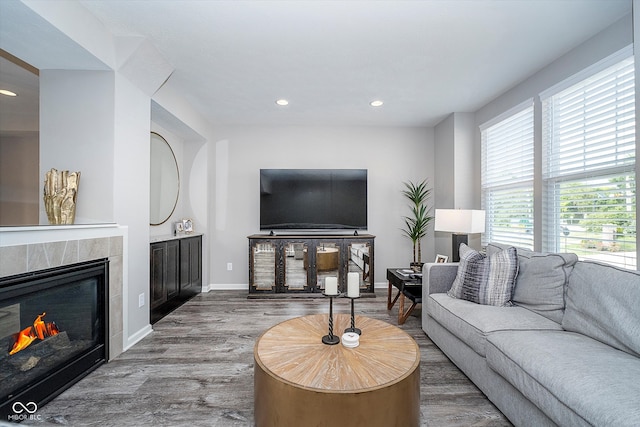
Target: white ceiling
x,y
425,59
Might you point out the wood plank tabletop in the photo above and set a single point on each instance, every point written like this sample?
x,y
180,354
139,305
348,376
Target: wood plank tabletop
x,y
293,352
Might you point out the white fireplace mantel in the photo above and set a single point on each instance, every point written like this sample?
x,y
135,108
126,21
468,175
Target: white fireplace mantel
x,y
25,235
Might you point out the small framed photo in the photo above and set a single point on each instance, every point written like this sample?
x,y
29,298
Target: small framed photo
x,y
441,258
187,225
178,227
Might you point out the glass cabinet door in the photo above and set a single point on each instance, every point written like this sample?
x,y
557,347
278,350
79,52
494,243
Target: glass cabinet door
x,y
327,262
359,262
264,266
296,271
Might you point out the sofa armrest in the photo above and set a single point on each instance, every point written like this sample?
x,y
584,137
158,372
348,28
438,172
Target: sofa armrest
x,y
438,277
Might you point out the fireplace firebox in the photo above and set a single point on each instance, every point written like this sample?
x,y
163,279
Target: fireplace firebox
x,y
53,332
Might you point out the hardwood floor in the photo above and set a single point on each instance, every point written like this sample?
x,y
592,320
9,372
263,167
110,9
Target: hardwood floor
x,y
196,369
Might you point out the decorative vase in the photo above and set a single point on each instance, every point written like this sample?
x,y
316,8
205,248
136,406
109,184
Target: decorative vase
x,y
60,194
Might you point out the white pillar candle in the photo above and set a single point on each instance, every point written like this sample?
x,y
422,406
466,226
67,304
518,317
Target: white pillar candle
x,y
331,286
353,285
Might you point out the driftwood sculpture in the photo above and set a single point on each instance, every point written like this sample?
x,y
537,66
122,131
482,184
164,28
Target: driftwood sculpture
x,y
60,193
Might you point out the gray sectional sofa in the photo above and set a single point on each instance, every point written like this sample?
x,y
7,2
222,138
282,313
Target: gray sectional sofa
x,y
566,353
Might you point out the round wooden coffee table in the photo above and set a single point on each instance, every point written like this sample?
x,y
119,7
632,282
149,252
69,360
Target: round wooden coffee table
x,y
299,381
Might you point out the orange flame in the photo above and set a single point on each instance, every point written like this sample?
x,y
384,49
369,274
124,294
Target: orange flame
x,y
40,330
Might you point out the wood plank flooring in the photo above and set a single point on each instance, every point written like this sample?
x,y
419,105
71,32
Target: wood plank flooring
x,y
196,369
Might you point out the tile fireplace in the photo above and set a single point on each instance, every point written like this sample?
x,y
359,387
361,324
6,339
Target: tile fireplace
x,y
53,331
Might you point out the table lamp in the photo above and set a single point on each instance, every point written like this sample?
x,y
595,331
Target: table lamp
x,y
460,222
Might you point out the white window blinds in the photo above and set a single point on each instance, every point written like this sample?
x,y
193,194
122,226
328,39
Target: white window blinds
x,y
507,178
588,166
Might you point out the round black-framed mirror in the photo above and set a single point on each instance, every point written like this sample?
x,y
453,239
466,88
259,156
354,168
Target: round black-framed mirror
x,y
165,181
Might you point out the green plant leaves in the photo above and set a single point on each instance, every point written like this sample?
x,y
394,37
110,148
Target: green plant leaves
x,y
416,225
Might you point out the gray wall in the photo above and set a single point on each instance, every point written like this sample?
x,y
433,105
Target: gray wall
x,y
19,178
598,47
458,163
391,155
76,134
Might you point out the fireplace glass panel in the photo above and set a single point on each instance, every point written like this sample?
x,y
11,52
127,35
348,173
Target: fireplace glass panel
x,y
47,324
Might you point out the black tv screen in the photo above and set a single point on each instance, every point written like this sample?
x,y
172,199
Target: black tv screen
x,y
309,199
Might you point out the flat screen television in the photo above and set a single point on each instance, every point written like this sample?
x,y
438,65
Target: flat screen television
x,y
313,199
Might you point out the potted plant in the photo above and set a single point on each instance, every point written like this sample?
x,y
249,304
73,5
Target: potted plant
x,y
415,226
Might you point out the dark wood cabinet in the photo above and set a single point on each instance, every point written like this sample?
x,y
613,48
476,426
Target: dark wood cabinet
x,y
176,274
190,266
299,264
171,285
164,272
157,295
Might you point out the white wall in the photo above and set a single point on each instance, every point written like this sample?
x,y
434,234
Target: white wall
x,y
444,168
458,161
177,144
391,156
444,178
466,156
76,134
130,176
19,178
598,47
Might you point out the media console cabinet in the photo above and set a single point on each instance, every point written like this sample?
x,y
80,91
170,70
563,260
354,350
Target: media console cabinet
x,y
299,264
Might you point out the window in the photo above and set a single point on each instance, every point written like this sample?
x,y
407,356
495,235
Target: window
x,y
588,128
507,177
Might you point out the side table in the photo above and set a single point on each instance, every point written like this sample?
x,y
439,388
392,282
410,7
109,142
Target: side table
x,y
408,287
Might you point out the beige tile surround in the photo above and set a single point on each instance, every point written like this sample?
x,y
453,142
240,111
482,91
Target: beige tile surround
x,y
39,256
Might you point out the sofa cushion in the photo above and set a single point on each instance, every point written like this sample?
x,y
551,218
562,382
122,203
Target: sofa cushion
x,y
541,280
472,322
603,302
572,378
485,280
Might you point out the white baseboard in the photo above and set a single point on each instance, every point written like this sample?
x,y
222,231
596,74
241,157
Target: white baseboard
x,y
225,287
136,337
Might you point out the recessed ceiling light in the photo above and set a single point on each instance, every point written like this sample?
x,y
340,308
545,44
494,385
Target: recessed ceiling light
x,y
7,92
282,102
376,103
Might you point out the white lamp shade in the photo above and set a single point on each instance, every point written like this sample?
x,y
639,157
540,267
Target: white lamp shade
x,y
464,221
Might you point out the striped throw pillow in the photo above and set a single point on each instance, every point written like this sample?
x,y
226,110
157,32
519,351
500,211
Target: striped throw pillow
x,y
487,280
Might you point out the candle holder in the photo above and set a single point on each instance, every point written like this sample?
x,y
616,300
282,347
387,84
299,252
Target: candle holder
x,y
353,321
330,339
